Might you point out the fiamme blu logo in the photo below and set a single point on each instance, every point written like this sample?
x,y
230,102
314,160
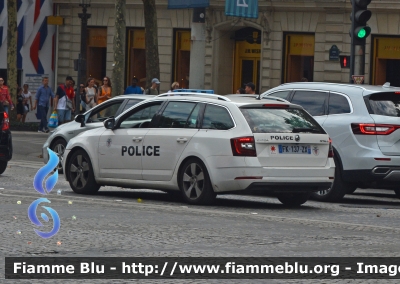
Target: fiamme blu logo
x,y
44,182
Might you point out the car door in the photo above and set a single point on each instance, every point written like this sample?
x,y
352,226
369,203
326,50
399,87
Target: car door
x,y
120,149
314,102
337,122
165,142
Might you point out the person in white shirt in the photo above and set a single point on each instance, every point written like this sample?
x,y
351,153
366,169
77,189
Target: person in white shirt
x,y
27,96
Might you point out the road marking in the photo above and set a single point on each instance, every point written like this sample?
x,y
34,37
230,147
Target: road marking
x,y
27,164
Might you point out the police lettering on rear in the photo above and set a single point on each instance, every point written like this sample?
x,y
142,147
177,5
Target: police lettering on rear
x,y
137,151
282,137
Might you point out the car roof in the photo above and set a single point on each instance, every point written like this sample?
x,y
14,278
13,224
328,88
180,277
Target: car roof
x,y
367,89
144,97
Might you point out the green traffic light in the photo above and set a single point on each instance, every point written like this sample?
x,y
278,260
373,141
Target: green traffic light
x,y
361,33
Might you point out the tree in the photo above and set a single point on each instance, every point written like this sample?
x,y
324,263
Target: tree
x,y
119,46
12,49
152,59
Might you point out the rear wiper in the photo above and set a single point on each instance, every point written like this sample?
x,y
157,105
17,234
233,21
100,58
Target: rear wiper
x,y
304,129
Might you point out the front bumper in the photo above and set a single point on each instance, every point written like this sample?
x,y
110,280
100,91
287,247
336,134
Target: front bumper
x,y
6,149
45,154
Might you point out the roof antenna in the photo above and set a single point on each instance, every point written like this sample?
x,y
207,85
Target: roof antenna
x,y
386,85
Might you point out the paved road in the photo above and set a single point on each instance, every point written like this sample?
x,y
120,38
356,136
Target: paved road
x,y
114,223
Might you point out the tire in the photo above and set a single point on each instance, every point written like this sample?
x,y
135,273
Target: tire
x,y
58,147
194,183
293,199
396,191
3,166
337,191
80,173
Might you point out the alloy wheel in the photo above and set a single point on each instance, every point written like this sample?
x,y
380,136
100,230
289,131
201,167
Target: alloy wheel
x,y
193,181
79,171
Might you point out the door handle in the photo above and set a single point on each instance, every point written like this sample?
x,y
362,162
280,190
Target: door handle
x,y
181,140
137,139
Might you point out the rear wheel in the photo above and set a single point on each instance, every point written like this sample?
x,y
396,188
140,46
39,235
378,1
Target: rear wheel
x,y
293,199
397,192
3,166
337,191
58,147
80,173
195,183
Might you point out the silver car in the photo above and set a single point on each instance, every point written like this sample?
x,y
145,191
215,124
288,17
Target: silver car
x,y
91,119
363,122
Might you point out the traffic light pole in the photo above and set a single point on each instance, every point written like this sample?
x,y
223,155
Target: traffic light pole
x,y
352,49
359,60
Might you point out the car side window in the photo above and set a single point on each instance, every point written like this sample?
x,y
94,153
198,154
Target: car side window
x,y
129,104
312,101
103,112
140,117
281,94
338,104
176,115
216,117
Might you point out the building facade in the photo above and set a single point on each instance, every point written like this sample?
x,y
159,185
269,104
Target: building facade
x,y
290,40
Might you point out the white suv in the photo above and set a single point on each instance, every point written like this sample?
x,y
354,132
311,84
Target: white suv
x,y
203,146
363,122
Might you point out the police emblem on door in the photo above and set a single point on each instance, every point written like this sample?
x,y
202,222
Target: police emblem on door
x,y
109,142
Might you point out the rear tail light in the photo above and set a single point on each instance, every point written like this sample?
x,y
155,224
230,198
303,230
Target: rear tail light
x,y
6,122
373,129
243,146
330,152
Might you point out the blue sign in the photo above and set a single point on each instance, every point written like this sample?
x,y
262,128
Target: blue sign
x,y
242,8
184,4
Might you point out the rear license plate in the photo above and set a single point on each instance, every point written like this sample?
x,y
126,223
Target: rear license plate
x,y
295,149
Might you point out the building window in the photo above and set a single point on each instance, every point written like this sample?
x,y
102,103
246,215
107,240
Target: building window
x,y
298,61
96,53
182,58
385,60
136,62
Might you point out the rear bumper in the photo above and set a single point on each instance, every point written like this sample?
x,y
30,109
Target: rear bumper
x,y
289,187
377,177
6,149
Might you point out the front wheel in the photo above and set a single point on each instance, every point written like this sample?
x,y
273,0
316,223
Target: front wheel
x,y
80,173
293,199
195,183
3,166
58,147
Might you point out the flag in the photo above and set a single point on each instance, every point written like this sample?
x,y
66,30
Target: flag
x,y
184,4
242,8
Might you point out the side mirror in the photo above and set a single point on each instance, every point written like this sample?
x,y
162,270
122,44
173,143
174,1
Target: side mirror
x,y
80,118
109,123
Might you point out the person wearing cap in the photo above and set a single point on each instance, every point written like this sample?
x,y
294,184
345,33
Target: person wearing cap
x,y
250,88
153,90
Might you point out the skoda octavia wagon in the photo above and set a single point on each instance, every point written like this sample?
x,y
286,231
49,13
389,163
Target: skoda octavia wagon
x,y
203,146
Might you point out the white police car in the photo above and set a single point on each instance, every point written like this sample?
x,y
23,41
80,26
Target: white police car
x,y
204,146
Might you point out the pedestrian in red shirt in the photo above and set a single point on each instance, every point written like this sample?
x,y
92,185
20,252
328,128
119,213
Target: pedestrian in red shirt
x,y
5,98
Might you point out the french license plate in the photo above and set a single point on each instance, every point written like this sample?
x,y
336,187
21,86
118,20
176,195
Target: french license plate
x,y
295,149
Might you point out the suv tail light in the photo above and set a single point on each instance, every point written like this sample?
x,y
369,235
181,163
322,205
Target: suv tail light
x,y
330,151
373,129
6,122
244,146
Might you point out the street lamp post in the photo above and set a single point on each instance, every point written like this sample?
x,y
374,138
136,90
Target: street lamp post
x,y
84,16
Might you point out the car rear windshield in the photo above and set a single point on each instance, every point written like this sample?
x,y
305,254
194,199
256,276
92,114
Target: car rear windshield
x,y
387,104
280,120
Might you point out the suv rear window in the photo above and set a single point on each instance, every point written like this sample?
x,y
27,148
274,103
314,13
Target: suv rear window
x,y
387,104
280,120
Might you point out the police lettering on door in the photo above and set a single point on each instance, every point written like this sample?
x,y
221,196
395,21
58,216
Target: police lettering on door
x,y
135,151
